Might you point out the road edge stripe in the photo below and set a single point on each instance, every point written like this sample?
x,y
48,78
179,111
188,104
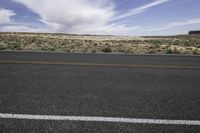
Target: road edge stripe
x,y
99,119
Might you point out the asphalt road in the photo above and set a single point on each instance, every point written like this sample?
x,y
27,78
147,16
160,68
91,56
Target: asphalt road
x,y
136,88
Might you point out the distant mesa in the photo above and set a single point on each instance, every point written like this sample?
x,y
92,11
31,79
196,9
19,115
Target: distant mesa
x,y
194,32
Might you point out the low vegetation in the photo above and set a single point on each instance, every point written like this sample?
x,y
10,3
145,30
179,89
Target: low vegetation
x,y
185,44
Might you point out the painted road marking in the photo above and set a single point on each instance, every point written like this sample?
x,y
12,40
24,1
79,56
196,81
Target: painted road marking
x,y
99,119
99,64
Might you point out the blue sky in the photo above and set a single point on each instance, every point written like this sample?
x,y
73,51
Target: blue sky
x,y
117,17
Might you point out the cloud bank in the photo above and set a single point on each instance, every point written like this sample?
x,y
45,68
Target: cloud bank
x,y
5,15
176,24
72,15
83,16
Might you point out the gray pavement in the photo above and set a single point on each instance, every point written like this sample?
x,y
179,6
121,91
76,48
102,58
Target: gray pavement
x,y
76,90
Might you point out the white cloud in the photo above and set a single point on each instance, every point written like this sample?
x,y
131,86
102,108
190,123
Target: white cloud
x,y
5,15
111,29
188,22
87,17
20,28
176,24
64,15
78,16
140,9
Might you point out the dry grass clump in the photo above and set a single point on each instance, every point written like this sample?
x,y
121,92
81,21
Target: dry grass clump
x,y
100,44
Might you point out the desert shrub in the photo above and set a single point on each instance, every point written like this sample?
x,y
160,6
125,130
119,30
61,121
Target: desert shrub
x,y
93,51
159,50
176,42
156,46
33,39
175,51
186,43
121,50
107,50
152,52
2,47
19,48
13,45
151,47
72,47
189,48
107,44
154,41
95,44
67,50
195,52
52,49
16,46
44,48
169,51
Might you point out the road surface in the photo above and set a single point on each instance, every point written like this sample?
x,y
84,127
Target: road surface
x,y
91,88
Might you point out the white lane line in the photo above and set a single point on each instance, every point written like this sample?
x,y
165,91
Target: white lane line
x,y
99,119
